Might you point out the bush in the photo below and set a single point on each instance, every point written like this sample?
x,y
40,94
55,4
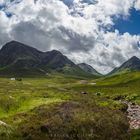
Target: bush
x,y
18,79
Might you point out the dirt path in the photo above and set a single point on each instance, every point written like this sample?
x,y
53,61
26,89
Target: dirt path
x,y
133,114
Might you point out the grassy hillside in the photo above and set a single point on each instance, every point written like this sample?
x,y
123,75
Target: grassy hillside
x,y
131,65
89,69
77,72
54,107
121,78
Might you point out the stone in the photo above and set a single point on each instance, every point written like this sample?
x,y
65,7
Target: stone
x,y
44,128
83,92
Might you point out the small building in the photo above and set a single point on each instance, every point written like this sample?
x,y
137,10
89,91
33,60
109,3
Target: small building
x,y
13,79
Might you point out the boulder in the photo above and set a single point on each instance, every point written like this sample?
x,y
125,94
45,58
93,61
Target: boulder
x,y
44,128
83,92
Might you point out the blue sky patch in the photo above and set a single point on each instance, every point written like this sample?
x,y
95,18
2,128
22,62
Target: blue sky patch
x,y
130,25
2,6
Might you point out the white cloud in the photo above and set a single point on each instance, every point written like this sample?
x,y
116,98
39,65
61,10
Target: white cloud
x,y
4,28
78,29
1,1
111,50
137,4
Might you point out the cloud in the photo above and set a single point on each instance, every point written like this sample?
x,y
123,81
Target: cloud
x,y
137,5
4,28
81,29
1,1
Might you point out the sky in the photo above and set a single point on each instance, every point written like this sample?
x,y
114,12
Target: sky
x,y
102,33
131,24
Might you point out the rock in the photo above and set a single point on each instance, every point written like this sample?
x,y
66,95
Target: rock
x,y
5,129
44,128
25,134
119,97
133,103
83,92
3,124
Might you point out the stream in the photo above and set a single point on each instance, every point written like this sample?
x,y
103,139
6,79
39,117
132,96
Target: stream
x,y
133,114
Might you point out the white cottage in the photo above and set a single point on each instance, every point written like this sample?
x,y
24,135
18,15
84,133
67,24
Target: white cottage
x,y
13,79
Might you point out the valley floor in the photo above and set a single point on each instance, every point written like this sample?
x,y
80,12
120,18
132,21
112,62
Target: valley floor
x,y
60,108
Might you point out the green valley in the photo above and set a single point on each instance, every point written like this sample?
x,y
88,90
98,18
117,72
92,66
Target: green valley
x,y
54,107
46,96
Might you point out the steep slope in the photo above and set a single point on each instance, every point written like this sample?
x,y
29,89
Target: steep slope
x,y
55,60
89,69
14,51
133,64
17,59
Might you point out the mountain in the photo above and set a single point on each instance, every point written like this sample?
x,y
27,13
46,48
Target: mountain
x,y
17,59
89,69
133,64
13,52
55,60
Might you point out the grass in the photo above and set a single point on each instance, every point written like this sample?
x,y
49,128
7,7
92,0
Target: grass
x,y
120,78
53,107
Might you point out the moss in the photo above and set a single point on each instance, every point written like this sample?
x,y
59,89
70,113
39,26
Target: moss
x,y
135,134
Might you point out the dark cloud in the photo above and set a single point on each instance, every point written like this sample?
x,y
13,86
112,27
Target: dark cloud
x,y
28,33
77,42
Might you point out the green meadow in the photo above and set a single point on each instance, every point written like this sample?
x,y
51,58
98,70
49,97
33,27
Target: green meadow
x,y
55,108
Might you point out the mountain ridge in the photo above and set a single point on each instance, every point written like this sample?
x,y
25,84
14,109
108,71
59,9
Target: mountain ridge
x,y
131,65
18,59
88,68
